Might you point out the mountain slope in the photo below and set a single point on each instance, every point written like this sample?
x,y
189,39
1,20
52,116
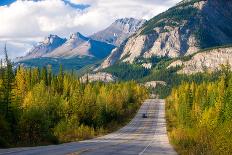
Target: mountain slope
x,y
182,30
46,46
71,64
118,31
79,45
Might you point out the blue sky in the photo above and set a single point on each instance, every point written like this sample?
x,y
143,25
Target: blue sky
x,y
25,22
77,6
6,2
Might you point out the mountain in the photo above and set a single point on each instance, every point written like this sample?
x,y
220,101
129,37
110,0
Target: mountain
x,y
118,31
50,43
182,30
74,41
79,45
74,54
86,50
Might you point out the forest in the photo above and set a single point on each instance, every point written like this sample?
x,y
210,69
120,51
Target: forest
x,y
38,107
199,116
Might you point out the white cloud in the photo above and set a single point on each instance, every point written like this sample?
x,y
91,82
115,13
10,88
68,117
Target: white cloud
x,y
30,19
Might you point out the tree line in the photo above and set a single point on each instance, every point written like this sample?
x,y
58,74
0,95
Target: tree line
x,y
199,116
39,107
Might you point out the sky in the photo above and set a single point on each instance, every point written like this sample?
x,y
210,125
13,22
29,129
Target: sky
x,y
25,22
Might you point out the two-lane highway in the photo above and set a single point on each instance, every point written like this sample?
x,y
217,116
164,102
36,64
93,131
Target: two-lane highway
x,y
141,136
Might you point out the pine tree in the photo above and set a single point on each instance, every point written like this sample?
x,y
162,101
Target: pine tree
x,y
44,75
49,75
8,77
21,83
60,80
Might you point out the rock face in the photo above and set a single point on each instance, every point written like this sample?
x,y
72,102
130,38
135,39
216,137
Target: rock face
x,y
100,76
118,31
50,43
175,64
79,45
153,84
74,41
182,30
147,65
205,61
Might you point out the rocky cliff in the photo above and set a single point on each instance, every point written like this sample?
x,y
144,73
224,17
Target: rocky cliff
x,y
100,76
210,60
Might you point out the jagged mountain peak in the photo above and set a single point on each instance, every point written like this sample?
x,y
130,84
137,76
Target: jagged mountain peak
x,y
129,25
119,31
50,39
125,21
79,45
46,46
78,35
74,40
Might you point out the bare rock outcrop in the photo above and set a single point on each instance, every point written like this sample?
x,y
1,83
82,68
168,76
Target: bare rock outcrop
x,y
153,84
100,76
210,60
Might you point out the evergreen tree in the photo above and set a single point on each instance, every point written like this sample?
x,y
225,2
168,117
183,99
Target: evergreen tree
x,y
44,75
8,79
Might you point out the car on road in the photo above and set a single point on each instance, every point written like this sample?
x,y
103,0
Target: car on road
x,y
144,115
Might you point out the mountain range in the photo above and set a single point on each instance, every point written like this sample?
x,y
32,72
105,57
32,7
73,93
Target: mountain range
x,y
181,31
76,46
79,47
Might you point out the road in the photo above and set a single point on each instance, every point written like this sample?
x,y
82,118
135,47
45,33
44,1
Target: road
x,y
142,136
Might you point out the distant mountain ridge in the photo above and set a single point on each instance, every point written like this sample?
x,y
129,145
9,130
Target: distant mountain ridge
x,y
97,45
49,44
79,51
79,45
182,30
76,46
119,31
